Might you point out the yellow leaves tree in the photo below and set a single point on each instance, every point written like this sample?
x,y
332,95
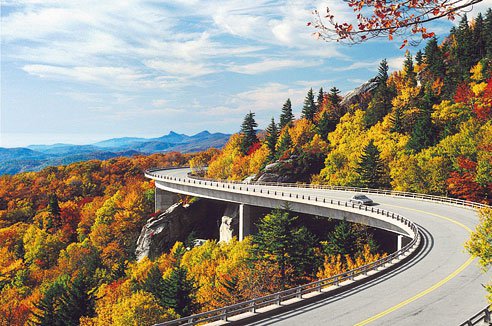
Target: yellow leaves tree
x,y
480,243
200,161
346,142
220,166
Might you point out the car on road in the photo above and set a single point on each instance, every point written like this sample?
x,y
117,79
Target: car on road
x,y
361,200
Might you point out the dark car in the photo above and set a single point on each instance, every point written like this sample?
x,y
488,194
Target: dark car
x,y
361,200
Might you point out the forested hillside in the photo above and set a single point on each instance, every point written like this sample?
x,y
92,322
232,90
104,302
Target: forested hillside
x,y
67,250
425,128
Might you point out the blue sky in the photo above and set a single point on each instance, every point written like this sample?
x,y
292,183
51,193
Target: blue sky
x,y
82,71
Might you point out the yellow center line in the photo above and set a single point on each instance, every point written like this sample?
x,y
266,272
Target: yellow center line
x,y
432,288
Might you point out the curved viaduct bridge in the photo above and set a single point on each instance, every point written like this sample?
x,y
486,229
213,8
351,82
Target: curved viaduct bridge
x,y
434,282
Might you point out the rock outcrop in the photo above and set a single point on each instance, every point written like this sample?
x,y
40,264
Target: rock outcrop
x,y
176,224
359,94
230,221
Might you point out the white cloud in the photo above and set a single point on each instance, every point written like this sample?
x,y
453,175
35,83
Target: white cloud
x,y
271,65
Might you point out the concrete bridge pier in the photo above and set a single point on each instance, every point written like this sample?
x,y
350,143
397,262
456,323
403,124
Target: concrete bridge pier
x,y
164,199
244,221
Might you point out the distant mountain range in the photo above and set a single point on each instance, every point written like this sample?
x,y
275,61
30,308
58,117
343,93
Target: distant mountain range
x,y
36,157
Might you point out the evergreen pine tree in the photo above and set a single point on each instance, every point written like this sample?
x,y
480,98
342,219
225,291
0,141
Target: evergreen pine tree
x,y
334,99
371,167
326,125
284,145
46,311
487,33
271,138
53,206
463,51
179,293
409,69
341,241
422,135
155,284
77,301
419,57
396,121
309,108
248,132
286,117
434,59
382,76
287,246
478,39
54,209
320,99
380,104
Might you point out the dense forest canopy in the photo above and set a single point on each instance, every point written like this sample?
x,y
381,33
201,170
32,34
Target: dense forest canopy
x,y
68,233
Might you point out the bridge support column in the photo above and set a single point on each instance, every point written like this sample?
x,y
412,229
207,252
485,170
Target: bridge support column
x,y
399,242
164,199
244,221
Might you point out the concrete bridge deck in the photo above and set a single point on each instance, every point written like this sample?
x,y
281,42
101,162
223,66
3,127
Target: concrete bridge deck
x,y
441,285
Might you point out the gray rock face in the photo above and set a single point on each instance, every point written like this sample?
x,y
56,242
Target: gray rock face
x,y
358,93
230,220
160,230
200,218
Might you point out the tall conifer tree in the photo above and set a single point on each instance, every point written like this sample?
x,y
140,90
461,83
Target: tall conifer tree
x,y
271,138
248,132
285,244
286,117
320,99
309,108
371,167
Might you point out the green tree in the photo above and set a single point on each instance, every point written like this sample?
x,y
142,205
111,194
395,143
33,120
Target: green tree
x,y
285,144
179,292
154,283
480,243
309,108
408,68
341,241
271,138
286,116
382,76
422,135
478,36
320,99
434,59
46,311
286,245
371,167
334,99
77,301
487,33
248,132
380,104
419,57
396,121
326,125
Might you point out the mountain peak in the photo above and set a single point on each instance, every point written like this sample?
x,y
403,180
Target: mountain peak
x,y
202,134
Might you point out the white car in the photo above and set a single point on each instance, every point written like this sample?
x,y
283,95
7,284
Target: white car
x,y
361,200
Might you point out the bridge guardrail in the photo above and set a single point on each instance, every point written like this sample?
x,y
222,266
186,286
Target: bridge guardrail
x,y
296,292
395,193
484,315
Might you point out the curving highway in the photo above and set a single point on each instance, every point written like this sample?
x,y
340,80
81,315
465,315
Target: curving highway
x,y
440,285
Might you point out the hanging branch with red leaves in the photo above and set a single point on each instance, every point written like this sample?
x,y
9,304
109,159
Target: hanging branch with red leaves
x,y
381,18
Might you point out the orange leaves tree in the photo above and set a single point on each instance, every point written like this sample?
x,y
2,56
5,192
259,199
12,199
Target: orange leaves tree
x,y
380,18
